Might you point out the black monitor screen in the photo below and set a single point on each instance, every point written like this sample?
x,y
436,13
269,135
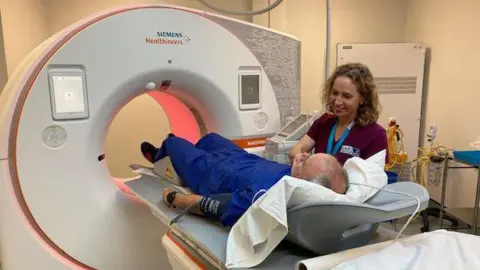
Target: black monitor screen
x,y
250,89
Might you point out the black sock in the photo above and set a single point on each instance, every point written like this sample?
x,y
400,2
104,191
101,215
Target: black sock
x,y
149,151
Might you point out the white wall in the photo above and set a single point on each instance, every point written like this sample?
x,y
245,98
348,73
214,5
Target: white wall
x,y
451,30
356,21
24,28
65,12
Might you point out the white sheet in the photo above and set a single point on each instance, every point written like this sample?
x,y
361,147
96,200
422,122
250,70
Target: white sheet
x,y
264,225
435,250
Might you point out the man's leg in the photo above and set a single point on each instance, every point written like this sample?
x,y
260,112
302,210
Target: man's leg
x,y
189,162
214,142
210,143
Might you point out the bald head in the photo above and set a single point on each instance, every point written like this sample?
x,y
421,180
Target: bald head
x,y
325,170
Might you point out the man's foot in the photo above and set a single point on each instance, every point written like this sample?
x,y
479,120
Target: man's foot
x,y
149,151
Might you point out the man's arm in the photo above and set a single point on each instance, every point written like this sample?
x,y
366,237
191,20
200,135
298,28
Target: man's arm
x,y
183,201
212,207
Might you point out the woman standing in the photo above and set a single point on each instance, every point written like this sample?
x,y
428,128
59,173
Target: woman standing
x,y
349,128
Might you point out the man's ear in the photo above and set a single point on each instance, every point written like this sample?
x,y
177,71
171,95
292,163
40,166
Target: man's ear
x,y
296,169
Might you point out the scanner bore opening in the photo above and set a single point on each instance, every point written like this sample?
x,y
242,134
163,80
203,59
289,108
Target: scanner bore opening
x,y
147,117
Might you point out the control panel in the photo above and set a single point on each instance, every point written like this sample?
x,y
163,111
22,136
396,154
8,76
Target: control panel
x,y
68,94
278,147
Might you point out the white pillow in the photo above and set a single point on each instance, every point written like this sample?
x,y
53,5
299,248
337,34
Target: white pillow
x,y
369,172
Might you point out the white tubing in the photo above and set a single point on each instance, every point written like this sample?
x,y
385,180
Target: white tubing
x,y
401,193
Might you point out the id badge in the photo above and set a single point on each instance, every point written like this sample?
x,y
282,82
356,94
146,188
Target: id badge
x,y
350,150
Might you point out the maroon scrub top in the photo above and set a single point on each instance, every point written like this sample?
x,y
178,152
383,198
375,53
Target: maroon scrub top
x,y
361,142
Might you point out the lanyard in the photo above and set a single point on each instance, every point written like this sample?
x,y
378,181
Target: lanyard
x,y
340,141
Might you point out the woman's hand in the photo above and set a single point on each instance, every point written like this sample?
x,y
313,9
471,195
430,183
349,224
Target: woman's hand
x,y
298,162
305,144
300,158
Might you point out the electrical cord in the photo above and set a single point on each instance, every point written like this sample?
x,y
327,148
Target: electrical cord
x,y
394,134
248,13
184,211
254,196
424,159
400,193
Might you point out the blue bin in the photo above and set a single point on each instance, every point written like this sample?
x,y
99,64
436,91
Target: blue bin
x,y
470,157
392,177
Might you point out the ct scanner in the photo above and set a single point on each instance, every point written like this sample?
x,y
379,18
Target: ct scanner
x,y
58,202
59,207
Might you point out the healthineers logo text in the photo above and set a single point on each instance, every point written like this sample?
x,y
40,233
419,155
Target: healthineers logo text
x,y
168,38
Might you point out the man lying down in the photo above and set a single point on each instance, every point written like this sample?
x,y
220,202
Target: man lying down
x,y
227,180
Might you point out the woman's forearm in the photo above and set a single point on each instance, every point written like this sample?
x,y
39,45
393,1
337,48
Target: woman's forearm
x,y
305,145
297,149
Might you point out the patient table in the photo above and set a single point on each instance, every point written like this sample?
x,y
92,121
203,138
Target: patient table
x,y
205,241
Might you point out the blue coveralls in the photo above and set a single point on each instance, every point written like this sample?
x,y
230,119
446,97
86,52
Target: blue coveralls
x,y
216,166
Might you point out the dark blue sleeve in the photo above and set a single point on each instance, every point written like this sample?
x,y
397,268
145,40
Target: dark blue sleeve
x,y
214,207
227,208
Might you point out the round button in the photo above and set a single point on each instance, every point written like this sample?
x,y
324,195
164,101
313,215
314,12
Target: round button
x,y
261,120
54,136
150,86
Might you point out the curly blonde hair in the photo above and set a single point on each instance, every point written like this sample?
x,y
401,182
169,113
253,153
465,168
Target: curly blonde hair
x,y
361,76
